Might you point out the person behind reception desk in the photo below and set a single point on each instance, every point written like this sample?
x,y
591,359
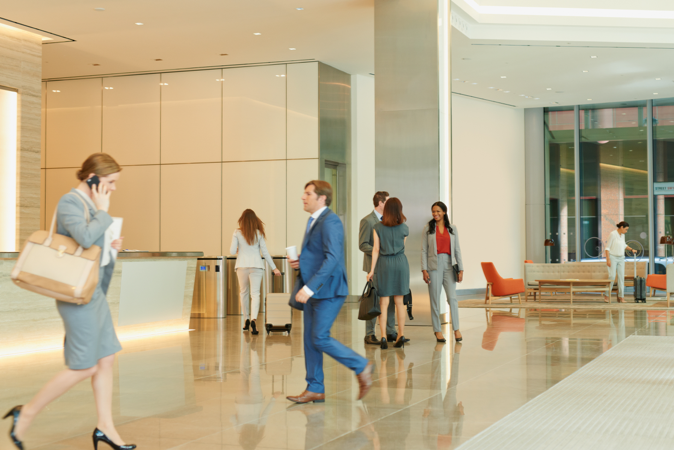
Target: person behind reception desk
x,y
90,343
247,244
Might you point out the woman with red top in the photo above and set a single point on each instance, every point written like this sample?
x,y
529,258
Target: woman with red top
x,y
442,266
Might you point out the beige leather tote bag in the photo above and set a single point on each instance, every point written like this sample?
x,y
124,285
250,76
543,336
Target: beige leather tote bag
x,y
57,266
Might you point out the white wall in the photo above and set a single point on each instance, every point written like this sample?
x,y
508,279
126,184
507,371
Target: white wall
x,y
362,169
488,187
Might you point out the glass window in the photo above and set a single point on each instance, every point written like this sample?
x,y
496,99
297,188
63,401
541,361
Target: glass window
x,y
613,176
663,173
560,217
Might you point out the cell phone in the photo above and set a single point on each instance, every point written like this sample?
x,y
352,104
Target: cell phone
x,y
93,181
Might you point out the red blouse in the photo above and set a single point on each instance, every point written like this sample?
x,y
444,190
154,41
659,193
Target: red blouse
x,y
443,241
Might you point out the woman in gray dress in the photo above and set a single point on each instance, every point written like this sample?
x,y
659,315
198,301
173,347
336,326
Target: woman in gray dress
x,y
91,342
392,268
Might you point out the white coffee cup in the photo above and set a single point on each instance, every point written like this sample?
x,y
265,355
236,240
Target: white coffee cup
x,y
292,253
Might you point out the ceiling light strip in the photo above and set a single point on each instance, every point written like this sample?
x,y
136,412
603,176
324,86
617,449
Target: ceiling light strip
x,y
569,12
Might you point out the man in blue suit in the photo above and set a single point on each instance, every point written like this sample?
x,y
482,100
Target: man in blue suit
x,y
322,289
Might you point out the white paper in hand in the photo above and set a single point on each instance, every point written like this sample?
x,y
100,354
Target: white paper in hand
x,y
116,228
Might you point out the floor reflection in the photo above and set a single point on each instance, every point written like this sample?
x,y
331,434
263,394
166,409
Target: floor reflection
x,y
220,388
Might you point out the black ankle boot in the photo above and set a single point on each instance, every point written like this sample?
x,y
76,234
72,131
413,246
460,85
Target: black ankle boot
x,y
99,436
247,327
254,327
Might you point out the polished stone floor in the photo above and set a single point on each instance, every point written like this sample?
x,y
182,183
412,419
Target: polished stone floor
x,y
218,388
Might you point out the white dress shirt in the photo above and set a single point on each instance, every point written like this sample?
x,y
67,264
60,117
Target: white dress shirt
x,y
315,216
616,244
379,216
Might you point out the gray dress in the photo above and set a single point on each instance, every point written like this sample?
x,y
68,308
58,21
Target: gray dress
x,y
90,334
393,269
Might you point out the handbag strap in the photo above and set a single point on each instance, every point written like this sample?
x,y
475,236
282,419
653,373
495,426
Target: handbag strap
x,y
48,241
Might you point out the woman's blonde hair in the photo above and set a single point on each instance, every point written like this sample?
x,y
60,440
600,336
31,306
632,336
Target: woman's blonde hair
x,y
250,224
100,164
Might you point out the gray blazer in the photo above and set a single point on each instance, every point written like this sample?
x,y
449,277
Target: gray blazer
x,y
71,222
366,239
249,255
429,250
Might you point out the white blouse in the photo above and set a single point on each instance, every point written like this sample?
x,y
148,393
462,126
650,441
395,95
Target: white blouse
x,y
616,244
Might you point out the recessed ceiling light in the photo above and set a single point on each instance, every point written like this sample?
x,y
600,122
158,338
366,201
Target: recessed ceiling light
x,y
548,89
99,9
589,99
503,76
507,92
655,93
163,84
536,98
593,57
491,87
55,90
108,87
292,48
585,71
219,79
657,79
257,34
457,79
139,23
300,9
474,83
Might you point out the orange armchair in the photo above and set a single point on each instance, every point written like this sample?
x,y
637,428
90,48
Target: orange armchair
x,y
656,282
497,286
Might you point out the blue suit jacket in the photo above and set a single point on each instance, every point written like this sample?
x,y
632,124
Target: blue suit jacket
x,y
322,267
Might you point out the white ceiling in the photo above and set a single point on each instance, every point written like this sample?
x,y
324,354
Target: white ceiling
x,y
534,51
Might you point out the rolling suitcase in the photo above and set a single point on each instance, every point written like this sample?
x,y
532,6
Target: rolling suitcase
x,y
278,315
639,285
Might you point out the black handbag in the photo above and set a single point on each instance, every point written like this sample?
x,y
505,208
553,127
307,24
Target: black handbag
x,y
456,272
407,301
369,303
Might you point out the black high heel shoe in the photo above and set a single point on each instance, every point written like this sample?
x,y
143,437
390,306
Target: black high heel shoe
x,y
99,436
440,340
254,327
458,339
384,345
15,412
400,342
247,327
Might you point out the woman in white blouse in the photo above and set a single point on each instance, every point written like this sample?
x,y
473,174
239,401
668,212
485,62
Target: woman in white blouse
x,y
615,259
248,245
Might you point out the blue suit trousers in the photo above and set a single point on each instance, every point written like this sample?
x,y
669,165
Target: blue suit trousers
x,y
319,315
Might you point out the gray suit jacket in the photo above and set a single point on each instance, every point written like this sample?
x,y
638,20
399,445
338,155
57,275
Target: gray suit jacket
x,y
429,250
366,239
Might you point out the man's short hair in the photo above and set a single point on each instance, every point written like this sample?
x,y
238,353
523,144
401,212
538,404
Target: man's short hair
x,y
321,188
623,224
380,197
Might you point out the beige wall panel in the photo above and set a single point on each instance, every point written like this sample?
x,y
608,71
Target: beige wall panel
x,y
136,200
191,117
131,119
190,208
300,172
259,186
43,138
303,110
254,113
58,182
43,199
73,121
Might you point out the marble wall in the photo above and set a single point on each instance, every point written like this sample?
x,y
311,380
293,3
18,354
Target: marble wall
x,y
21,70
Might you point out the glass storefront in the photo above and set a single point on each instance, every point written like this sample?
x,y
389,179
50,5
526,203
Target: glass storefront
x,y
612,169
560,186
613,176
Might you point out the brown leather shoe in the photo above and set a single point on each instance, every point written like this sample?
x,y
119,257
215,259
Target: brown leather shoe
x,y
306,397
365,381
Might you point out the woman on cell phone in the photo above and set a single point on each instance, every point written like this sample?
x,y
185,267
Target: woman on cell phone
x,y
247,244
91,342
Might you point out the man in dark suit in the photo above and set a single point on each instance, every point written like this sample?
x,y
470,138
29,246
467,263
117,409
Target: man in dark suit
x,y
322,289
365,243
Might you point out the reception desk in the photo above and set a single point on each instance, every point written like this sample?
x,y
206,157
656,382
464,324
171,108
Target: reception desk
x,y
150,293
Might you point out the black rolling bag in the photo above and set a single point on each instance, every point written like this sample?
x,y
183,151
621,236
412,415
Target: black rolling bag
x,y
639,285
